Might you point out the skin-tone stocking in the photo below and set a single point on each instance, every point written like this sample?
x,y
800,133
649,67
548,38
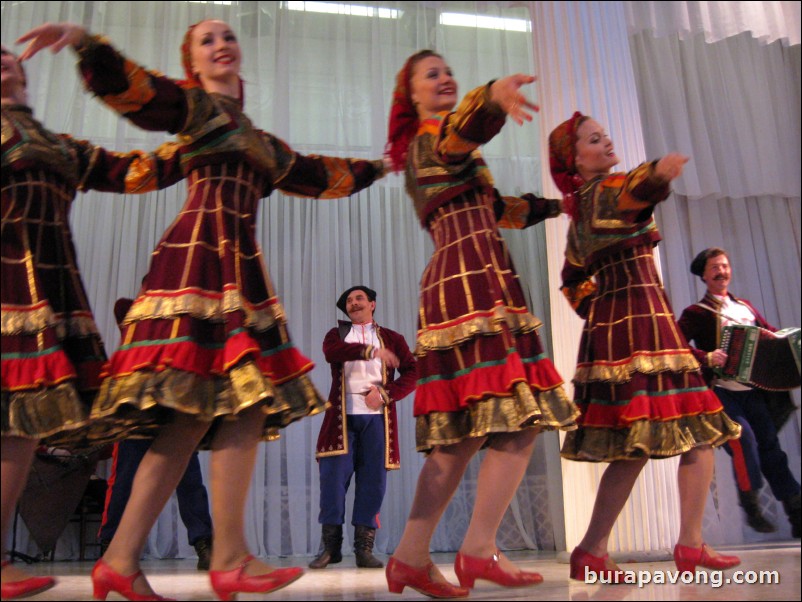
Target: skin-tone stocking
x,y
233,459
156,478
502,469
614,489
694,476
16,456
437,482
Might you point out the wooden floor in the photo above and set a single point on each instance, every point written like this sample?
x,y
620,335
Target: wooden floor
x,y
179,579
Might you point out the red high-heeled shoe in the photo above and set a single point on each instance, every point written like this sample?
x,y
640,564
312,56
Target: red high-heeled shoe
x,y
25,587
584,564
226,584
400,575
687,559
105,579
471,568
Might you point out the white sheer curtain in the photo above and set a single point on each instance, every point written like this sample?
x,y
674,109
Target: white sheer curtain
x,y
723,86
323,83
765,21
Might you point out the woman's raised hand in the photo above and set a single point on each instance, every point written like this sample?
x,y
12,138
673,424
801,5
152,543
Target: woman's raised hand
x,y
53,35
505,93
670,166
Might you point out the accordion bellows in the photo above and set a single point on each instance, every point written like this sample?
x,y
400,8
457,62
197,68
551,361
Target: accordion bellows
x,y
761,358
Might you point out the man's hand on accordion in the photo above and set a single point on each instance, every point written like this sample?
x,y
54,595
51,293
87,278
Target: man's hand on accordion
x,y
717,358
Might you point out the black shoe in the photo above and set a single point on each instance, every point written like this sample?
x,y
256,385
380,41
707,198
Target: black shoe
x,y
363,548
331,543
754,516
204,549
792,509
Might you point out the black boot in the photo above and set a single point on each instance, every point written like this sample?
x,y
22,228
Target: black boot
x,y
792,509
331,543
363,548
754,517
203,547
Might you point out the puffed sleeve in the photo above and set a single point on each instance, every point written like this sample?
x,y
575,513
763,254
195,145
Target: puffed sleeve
x,y
319,176
517,213
578,288
636,192
475,122
134,172
147,98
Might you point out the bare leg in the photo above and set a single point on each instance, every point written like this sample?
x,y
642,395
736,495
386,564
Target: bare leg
x,y
503,467
156,478
16,457
233,458
438,479
694,476
614,489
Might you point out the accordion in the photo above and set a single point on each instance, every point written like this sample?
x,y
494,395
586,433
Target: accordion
x,y
761,358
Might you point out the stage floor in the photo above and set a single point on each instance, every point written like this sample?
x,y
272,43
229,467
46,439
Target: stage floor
x,y
179,579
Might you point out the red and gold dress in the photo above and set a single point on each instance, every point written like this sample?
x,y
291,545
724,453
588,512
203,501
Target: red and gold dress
x,y
52,354
207,335
481,365
637,383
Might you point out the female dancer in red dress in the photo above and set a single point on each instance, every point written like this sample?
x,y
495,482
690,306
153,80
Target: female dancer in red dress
x,y
483,378
639,387
52,354
205,343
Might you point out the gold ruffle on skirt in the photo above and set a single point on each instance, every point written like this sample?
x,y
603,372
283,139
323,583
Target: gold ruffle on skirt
x,y
50,414
140,402
517,322
644,363
546,410
645,439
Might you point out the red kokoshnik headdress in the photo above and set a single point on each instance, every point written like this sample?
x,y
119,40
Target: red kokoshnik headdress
x,y
404,121
562,154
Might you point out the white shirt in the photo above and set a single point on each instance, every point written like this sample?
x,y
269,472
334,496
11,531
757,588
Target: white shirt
x,y
733,312
361,374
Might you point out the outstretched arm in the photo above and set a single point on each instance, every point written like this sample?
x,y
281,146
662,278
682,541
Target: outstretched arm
x,y
319,176
517,213
147,98
135,172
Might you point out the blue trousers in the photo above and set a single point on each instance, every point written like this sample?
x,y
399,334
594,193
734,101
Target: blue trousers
x,y
365,458
193,501
757,453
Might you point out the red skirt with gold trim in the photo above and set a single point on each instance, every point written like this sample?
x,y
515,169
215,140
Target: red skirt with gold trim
x,y
481,366
52,353
638,385
207,336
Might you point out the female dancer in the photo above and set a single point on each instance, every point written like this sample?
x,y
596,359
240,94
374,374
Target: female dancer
x,y
483,378
52,354
206,341
640,390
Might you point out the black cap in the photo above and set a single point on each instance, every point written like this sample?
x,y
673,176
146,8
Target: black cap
x,y
121,309
344,297
699,262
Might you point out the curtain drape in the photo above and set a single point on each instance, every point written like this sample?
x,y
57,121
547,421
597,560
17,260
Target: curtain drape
x,y
322,82
765,21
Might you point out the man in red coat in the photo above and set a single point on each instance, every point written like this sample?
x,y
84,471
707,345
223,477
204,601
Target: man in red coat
x,y
760,413
359,435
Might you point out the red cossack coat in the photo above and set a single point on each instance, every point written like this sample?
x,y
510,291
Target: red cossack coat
x,y
332,440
